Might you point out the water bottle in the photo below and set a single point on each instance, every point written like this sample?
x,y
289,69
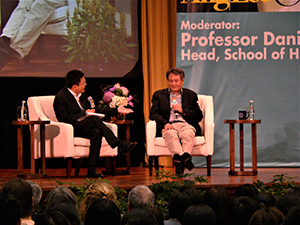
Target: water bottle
x,y
251,111
24,111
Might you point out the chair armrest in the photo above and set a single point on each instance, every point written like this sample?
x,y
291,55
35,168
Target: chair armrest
x,y
209,125
150,137
65,139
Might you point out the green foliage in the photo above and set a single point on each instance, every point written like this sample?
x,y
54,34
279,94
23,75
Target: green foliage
x,y
163,190
94,34
278,186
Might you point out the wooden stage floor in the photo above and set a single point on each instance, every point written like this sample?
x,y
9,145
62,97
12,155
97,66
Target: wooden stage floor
x,y
139,175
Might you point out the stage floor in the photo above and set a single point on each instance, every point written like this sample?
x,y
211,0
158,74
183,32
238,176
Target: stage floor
x,y
140,175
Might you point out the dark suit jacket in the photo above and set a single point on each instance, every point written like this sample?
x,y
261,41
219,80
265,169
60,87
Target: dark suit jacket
x,y
68,111
160,110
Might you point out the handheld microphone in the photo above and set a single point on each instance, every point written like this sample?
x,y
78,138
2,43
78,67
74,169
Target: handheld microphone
x,y
91,100
174,102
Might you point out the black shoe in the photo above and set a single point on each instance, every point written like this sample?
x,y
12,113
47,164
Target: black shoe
x,y
179,168
125,147
93,173
187,161
6,52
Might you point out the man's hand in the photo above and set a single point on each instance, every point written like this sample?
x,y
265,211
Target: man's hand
x,y
177,108
90,110
168,126
122,109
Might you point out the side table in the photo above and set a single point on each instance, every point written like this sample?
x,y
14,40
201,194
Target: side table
x,y
232,147
20,125
127,124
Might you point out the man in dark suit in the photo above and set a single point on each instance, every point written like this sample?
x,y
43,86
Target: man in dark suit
x,y
71,103
177,115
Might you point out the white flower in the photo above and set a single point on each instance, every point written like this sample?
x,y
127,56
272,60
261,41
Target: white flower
x,y
116,101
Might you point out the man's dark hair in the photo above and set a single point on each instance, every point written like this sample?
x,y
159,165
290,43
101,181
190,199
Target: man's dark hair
x,y
73,77
176,71
22,191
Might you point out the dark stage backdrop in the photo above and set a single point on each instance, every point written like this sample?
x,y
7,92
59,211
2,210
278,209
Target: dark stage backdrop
x,y
42,72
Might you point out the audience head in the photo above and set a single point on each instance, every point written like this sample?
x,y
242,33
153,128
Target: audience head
x,y
241,210
62,194
10,210
286,202
99,189
103,211
218,199
22,191
73,77
139,216
64,200
266,199
51,217
267,216
68,209
246,190
181,199
293,217
141,197
196,213
36,193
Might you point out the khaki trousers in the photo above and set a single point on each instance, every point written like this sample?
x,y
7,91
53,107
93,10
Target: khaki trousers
x,y
180,139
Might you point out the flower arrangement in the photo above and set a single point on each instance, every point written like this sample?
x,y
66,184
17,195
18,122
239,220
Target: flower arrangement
x,y
115,96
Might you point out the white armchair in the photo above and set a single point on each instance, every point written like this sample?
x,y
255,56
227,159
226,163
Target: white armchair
x,y
60,140
203,145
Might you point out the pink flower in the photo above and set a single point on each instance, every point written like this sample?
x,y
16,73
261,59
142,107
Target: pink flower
x,y
108,96
124,90
130,104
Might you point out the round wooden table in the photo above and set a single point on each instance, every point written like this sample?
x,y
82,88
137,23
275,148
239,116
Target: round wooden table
x,y
232,147
19,125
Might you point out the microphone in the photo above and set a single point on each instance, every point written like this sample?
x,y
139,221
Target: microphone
x,y
91,100
174,102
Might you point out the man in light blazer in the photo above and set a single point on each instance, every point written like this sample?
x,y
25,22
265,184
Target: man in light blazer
x,y
71,103
177,115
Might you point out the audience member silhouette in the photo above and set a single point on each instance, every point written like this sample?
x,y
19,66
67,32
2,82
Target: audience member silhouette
x,y
64,200
10,210
180,200
37,196
103,211
293,217
199,214
218,199
158,215
98,189
51,217
267,216
286,202
241,210
246,190
266,198
141,197
139,216
21,190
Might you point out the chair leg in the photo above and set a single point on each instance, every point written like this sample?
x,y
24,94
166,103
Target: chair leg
x,y
150,165
208,162
156,166
68,166
113,162
38,165
77,168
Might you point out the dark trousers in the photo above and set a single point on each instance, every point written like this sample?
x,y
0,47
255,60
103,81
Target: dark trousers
x,y
94,129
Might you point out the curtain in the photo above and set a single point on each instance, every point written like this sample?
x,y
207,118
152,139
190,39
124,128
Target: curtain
x,y
158,45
